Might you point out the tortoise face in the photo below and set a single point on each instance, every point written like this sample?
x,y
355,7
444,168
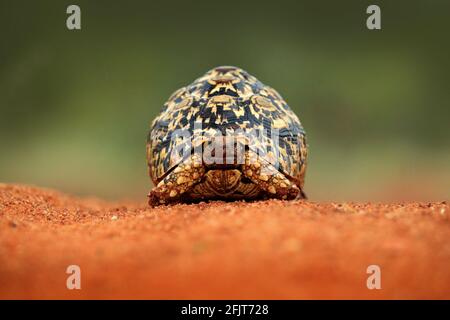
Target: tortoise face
x,y
221,115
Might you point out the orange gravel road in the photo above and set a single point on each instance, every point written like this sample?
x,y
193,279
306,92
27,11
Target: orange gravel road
x,y
261,250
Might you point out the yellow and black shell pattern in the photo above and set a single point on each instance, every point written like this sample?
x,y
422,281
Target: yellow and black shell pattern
x,y
225,99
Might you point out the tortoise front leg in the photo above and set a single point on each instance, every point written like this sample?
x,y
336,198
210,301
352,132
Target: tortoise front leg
x,y
269,179
177,182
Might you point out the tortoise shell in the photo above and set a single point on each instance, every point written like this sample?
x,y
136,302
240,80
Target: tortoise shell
x,y
226,101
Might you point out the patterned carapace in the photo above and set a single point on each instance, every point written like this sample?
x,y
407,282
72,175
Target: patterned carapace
x,y
226,101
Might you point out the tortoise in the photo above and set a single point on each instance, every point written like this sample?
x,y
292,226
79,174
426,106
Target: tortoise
x,y
226,136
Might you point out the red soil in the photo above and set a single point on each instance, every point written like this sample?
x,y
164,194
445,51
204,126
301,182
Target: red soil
x,y
261,250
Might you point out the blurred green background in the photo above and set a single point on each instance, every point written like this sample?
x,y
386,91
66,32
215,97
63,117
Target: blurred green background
x,y
75,106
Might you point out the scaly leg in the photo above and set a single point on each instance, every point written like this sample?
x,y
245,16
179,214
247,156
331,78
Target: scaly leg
x,y
177,182
269,179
